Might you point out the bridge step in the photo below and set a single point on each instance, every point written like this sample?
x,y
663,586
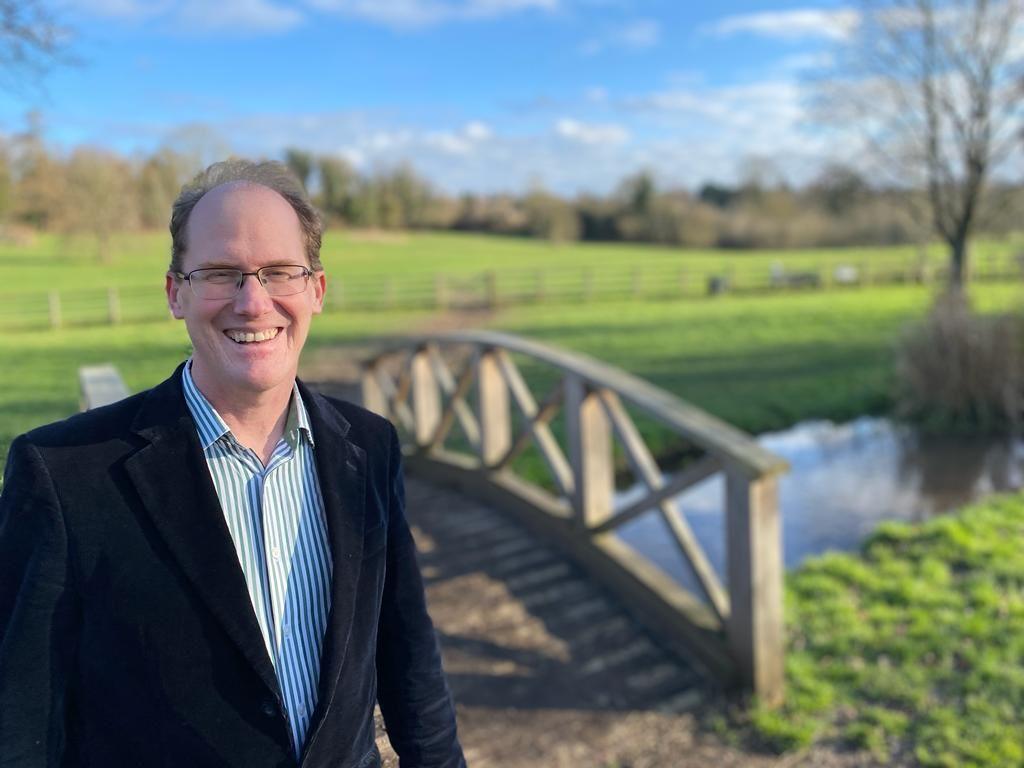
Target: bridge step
x,y
522,627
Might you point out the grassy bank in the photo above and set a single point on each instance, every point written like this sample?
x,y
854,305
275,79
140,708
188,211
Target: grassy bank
x,y
912,649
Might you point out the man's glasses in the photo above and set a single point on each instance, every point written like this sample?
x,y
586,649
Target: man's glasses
x,y
225,283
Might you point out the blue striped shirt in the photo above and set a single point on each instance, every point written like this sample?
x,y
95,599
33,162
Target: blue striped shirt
x,y
276,518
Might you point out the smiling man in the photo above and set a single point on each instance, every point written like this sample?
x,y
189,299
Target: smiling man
x,y
218,571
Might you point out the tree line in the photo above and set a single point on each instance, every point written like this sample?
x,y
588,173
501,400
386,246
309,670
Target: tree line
x,y
99,192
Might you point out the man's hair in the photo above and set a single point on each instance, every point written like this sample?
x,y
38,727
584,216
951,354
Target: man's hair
x,y
270,174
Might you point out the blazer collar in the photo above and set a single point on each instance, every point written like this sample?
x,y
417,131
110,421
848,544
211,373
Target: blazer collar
x,y
177,492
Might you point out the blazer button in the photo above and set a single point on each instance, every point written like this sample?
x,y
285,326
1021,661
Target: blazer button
x,y
269,708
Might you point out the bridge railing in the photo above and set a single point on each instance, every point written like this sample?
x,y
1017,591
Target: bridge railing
x,y
467,413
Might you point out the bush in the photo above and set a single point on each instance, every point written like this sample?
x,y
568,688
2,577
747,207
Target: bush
x,y
961,372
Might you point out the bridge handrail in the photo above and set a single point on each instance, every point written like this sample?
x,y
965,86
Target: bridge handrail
x,y
409,380
708,431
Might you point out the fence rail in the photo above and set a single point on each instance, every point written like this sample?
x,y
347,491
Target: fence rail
x,y
657,280
468,414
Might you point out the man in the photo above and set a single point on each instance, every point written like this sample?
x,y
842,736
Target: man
x,y
218,571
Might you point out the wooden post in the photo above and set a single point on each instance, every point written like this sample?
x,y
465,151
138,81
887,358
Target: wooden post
x,y
336,293
590,453
389,293
440,292
540,289
682,281
494,414
426,398
588,284
54,303
637,283
373,396
491,288
113,306
754,546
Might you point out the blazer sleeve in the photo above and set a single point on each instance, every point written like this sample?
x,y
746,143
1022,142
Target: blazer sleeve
x,y
35,613
411,687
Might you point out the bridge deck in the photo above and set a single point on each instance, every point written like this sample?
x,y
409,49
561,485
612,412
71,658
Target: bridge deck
x,y
547,669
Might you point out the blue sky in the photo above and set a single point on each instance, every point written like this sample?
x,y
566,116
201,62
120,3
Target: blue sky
x,y
479,95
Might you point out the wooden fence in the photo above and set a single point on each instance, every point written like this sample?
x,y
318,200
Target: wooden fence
x,y
664,279
467,415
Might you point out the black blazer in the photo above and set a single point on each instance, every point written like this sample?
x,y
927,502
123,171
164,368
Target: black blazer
x,y
127,637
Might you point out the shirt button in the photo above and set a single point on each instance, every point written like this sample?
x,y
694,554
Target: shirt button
x,y
276,553
268,708
287,631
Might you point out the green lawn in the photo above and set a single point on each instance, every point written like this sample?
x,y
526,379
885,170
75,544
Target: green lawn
x,y
913,647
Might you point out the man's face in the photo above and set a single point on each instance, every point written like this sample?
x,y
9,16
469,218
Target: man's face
x,y
247,227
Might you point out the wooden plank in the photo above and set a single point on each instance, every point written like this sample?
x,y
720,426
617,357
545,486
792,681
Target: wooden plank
x,y
689,477
545,412
647,470
538,429
100,385
397,408
426,398
495,418
373,396
754,545
457,406
590,453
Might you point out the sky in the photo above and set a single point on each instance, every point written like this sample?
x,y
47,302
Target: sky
x,y
477,95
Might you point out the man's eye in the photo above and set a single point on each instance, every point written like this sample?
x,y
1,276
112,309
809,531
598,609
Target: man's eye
x,y
219,276
278,275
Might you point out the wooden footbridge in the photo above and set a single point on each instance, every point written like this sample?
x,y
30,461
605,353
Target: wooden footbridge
x,y
467,415
542,609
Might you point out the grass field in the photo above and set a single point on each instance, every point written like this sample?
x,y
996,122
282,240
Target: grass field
x,y
425,270
912,647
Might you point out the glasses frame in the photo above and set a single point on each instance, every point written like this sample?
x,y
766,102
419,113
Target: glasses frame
x,y
306,274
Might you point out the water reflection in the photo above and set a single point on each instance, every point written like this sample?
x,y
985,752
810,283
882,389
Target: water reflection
x,y
844,480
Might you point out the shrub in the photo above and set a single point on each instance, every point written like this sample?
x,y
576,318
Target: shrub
x,y
959,371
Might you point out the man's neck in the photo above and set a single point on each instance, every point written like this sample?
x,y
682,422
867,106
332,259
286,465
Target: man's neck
x,y
256,419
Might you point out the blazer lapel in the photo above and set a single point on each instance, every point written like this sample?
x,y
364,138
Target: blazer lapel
x,y
341,467
174,483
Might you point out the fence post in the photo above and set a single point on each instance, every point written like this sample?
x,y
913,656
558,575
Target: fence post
x,y
426,398
336,293
682,281
637,282
440,292
590,453
588,284
493,404
754,547
491,288
54,305
373,396
389,293
540,290
113,306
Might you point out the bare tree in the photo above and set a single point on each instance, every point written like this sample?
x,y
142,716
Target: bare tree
x,y
31,39
935,86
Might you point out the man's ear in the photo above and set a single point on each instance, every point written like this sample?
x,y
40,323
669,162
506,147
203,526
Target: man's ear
x,y
319,291
173,288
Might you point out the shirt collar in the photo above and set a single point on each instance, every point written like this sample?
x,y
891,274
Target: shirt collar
x,y
211,427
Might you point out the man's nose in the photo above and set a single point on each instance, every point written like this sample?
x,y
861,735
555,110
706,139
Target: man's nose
x,y
252,297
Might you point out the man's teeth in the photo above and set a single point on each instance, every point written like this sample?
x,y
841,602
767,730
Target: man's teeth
x,y
245,337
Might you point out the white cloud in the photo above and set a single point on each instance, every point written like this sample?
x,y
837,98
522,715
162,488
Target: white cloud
x,y
796,24
223,15
254,15
418,13
636,35
592,134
